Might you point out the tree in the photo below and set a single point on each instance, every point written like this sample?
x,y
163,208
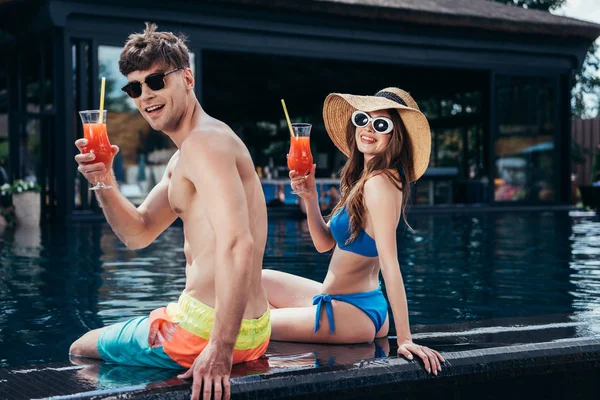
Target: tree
x,y
585,96
545,5
585,100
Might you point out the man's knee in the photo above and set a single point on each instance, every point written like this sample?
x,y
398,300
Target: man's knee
x,y
85,346
76,348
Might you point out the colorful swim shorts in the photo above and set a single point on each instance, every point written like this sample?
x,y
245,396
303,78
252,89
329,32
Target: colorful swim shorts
x,y
184,328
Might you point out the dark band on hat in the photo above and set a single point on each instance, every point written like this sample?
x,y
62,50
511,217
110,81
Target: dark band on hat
x,y
393,97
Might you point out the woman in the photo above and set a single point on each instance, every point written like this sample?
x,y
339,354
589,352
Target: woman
x,y
387,141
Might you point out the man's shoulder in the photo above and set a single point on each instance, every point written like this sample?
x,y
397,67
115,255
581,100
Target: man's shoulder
x,y
213,149
208,140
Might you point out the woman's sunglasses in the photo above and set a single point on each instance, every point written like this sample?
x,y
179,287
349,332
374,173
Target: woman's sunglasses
x,y
154,82
381,125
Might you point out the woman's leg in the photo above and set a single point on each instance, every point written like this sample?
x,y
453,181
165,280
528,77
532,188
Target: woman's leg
x,y
286,290
297,325
385,328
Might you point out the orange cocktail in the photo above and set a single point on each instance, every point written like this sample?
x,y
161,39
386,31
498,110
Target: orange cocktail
x,y
94,130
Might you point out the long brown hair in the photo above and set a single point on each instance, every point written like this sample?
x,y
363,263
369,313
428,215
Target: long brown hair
x,y
396,157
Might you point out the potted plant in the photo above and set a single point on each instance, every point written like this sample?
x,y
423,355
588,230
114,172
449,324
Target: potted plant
x,y
26,201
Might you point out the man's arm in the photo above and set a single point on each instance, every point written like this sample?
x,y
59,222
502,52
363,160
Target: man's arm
x,y
209,163
135,227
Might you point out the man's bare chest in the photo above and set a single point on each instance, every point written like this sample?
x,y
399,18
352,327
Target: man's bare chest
x,y
182,193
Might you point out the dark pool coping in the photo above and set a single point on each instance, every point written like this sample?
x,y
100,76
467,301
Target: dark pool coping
x,y
509,361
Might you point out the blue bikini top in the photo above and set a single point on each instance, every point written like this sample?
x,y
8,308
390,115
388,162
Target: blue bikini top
x,y
340,229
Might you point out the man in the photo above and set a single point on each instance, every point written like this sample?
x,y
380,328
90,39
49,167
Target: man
x,y
211,184
329,199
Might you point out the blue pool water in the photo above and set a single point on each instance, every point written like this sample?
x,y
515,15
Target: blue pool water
x,y
57,284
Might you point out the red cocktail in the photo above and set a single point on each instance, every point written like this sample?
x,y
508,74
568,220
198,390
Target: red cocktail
x,y
300,158
98,142
94,131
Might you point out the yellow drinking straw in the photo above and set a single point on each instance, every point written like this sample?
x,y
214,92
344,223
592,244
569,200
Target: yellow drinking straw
x,y
102,87
287,117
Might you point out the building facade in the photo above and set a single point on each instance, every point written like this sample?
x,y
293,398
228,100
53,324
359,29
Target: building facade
x,y
494,82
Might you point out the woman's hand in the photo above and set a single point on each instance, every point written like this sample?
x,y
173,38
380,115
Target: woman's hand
x,y
304,186
431,358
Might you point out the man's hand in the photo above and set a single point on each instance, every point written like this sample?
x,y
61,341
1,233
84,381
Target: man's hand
x,y
210,373
89,169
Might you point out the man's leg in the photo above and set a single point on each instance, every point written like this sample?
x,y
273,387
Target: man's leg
x,y
123,343
87,345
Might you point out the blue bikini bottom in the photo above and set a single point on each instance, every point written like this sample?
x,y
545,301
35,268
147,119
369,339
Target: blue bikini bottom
x,y
372,303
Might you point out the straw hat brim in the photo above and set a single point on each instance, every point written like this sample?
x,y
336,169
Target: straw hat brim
x,y
337,112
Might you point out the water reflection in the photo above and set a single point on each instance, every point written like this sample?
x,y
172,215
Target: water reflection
x,y
585,275
102,376
27,241
55,284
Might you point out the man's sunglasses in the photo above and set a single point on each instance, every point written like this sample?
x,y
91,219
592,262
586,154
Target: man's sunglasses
x,y
382,125
154,82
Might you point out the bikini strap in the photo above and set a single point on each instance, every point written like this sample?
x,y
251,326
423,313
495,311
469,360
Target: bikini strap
x,y
319,300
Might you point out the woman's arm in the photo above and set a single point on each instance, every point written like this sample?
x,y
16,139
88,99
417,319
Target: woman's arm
x,y
383,206
319,230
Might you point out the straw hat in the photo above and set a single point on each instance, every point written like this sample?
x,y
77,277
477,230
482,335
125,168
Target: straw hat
x,y
338,109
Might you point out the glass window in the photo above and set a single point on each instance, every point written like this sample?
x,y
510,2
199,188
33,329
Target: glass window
x,y
48,78
144,152
524,148
244,90
457,163
30,70
29,147
4,148
448,148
